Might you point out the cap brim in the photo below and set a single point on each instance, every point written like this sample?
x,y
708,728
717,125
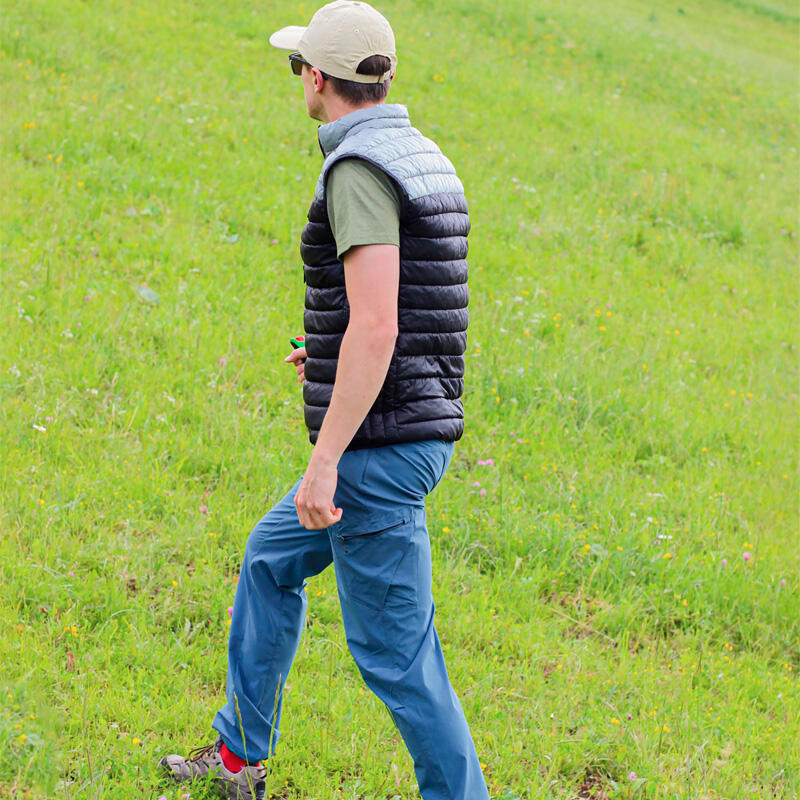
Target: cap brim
x,y
287,38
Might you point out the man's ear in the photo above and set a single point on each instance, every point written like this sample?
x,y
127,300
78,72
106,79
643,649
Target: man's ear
x,y
317,79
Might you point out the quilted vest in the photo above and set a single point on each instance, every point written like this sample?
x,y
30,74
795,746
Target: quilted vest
x,y
420,397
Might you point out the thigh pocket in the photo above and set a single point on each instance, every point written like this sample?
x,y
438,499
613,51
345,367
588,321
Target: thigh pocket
x,y
375,558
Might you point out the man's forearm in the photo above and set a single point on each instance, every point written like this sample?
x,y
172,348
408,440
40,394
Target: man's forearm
x,y
364,358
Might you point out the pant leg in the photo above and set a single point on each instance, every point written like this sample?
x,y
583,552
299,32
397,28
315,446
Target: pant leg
x,y
383,568
268,618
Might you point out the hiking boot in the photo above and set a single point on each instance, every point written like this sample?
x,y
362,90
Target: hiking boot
x,y
247,784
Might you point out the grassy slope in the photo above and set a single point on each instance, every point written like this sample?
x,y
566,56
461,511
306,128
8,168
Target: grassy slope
x,y
631,168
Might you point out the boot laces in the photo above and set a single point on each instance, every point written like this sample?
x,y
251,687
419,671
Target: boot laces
x,y
199,753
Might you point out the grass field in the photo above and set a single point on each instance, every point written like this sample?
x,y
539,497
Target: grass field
x,y
617,588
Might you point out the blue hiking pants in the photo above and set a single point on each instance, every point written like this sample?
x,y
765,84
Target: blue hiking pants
x,y
381,553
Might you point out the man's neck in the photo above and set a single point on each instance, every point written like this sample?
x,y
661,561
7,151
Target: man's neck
x,y
337,108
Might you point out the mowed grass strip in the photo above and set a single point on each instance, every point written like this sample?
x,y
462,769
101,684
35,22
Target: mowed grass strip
x,y
615,553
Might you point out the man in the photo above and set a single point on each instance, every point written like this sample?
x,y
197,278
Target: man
x,y
382,372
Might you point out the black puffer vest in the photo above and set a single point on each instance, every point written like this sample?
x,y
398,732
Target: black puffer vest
x,y
420,397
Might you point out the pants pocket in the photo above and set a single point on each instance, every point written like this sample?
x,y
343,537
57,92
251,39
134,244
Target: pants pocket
x,y
374,566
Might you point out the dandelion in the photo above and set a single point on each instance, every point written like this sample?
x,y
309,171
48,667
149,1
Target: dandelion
x,y
136,740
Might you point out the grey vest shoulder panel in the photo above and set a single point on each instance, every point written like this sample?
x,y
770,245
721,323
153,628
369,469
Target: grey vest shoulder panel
x,y
413,161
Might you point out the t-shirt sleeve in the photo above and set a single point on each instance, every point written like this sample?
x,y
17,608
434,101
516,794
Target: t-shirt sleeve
x,y
363,205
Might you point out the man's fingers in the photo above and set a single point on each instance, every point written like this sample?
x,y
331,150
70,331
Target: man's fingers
x,y
296,355
320,518
329,516
313,523
314,519
300,515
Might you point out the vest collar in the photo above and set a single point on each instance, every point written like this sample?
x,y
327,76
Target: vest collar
x,y
332,134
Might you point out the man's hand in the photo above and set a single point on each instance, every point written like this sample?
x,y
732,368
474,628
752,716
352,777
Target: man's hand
x,y
298,358
314,498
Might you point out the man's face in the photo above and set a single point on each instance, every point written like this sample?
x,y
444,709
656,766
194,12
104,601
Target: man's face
x,y
313,102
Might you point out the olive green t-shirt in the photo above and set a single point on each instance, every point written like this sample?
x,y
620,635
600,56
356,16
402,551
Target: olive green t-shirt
x,y
363,205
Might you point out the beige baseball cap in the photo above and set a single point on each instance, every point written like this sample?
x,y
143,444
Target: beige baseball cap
x,y
339,37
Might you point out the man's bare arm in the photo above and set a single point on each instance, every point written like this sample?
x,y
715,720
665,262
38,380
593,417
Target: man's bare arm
x,y
372,274
372,277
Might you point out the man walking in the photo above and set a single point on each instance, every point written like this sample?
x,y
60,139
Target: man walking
x,y
382,371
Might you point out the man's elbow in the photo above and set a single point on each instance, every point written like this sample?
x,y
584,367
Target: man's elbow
x,y
390,332
385,337
377,329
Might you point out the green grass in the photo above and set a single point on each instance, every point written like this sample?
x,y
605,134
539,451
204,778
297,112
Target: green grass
x,y
632,172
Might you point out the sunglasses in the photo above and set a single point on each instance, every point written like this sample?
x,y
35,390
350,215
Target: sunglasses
x,y
296,62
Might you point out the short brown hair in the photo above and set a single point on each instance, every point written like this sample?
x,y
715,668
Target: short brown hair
x,y
359,94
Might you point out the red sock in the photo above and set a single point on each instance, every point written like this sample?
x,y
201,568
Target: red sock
x,y
232,762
